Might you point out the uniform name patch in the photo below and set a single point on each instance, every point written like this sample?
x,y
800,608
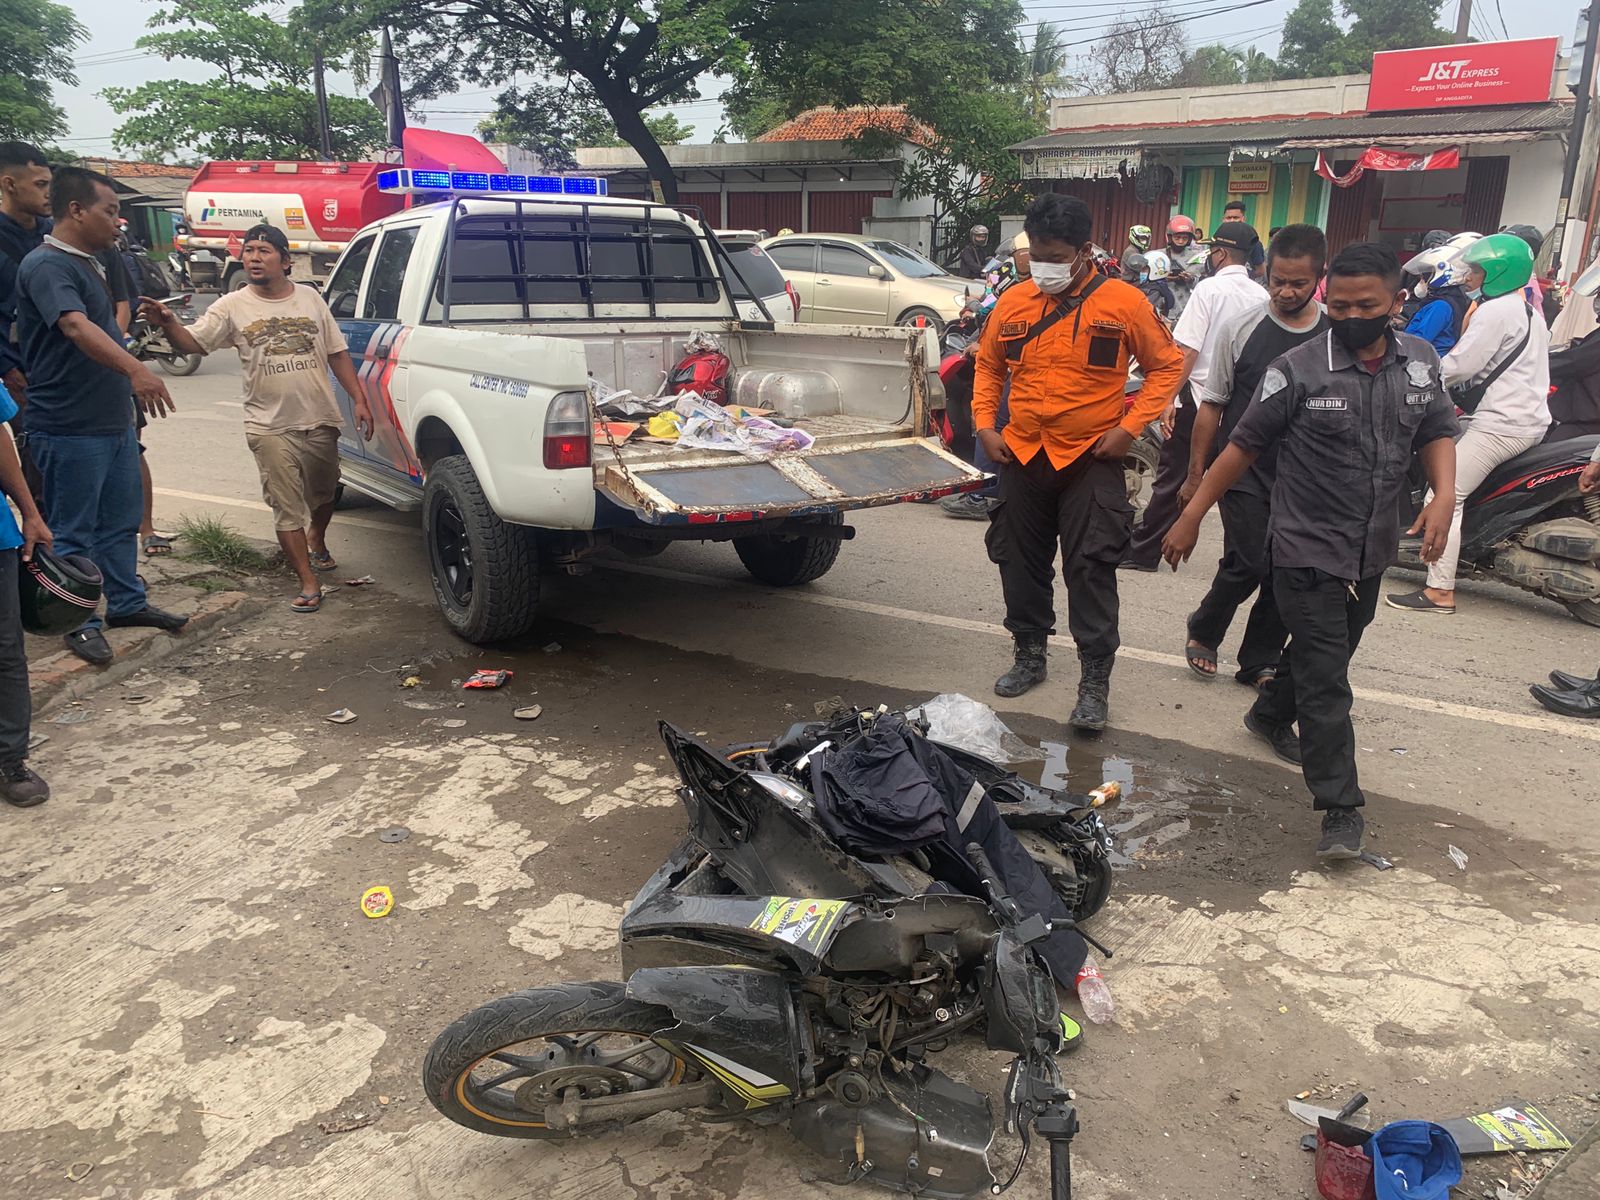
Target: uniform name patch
x,y
1012,329
1327,403
1418,398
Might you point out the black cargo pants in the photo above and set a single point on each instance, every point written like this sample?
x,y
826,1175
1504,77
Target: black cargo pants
x,y
16,702
1172,469
1244,568
1082,508
1325,622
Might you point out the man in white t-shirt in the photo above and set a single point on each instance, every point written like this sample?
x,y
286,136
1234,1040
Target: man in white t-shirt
x,y
1225,292
288,342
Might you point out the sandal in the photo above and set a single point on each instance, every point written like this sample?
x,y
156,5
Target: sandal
x,y
306,602
1197,655
321,560
155,545
1262,677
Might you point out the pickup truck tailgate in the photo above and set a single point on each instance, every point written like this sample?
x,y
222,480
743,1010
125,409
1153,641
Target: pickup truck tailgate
x,y
844,470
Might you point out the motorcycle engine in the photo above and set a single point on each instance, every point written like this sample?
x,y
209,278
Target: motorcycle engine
x,y
868,1132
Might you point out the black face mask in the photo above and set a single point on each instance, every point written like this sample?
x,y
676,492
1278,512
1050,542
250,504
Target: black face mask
x,y
1357,333
1301,307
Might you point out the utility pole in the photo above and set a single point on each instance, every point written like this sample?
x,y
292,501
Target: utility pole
x,y
324,134
1463,20
1580,120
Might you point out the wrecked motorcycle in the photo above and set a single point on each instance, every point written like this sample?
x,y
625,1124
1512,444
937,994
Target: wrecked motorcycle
x,y
775,976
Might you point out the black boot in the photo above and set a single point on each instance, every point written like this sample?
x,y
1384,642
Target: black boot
x,y
1027,671
1094,692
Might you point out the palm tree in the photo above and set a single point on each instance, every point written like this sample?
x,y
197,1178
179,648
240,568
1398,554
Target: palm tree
x,y
1045,58
1257,66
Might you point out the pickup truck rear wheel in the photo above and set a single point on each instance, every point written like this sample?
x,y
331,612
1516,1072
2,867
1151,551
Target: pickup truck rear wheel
x,y
485,572
786,560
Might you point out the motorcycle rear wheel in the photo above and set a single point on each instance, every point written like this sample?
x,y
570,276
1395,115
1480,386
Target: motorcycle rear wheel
x,y
522,1046
1587,611
179,364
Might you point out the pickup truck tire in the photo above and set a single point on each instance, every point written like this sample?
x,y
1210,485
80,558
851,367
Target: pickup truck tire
x,y
485,572
787,560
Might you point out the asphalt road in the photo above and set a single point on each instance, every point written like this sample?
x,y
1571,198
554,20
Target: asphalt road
x,y
1443,709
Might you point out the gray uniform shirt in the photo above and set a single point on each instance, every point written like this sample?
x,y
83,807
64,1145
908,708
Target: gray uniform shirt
x,y
1345,438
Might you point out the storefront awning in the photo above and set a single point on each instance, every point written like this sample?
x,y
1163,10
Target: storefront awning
x,y
1413,143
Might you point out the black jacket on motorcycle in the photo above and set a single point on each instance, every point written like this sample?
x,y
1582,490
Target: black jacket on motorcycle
x,y
891,790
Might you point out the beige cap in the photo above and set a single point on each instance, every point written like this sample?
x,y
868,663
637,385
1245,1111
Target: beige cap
x,y
1020,242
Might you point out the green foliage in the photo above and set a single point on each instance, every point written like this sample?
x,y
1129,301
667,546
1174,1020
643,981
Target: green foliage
x,y
1216,66
37,38
1314,44
213,540
260,105
552,122
630,56
1046,60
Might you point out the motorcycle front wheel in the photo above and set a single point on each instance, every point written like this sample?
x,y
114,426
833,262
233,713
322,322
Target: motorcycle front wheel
x,y
179,364
497,1069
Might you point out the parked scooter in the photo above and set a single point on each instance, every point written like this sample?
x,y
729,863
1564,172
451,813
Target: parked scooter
x,y
148,343
1527,525
775,977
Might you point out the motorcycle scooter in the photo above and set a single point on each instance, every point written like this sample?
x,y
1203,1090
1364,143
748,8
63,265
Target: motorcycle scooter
x,y
775,977
1528,525
148,343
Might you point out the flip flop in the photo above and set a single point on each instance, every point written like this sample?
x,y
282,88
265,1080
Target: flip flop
x,y
321,560
306,602
155,545
1197,655
1260,681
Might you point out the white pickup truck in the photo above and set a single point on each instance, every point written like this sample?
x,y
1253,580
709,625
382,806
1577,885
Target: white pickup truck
x,y
480,326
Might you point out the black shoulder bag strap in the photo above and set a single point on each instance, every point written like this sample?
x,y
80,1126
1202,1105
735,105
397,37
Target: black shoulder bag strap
x,y
1467,399
1063,309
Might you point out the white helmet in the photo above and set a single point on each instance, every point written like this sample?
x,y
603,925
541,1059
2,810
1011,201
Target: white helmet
x,y
1439,266
1159,264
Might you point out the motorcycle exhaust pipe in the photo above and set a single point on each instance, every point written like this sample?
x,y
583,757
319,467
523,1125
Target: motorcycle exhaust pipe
x,y
571,1115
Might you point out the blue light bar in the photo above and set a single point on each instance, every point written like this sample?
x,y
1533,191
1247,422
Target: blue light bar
x,y
404,181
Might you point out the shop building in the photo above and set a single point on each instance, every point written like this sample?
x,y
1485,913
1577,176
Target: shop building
x,y
1453,137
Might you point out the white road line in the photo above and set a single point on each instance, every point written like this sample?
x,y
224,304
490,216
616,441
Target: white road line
x,y
257,506
229,403
1449,708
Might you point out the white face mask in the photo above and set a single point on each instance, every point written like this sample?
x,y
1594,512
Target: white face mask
x,y
1054,278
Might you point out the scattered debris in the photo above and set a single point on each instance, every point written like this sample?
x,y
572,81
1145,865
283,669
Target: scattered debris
x,y
395,833
1400,750
488,679
384,1100
359,1121
377,902
826,708
1457,856
73,716
37,739
362,582
79,1171
1375,860
340,716
446,722
530,713
138,698
411,681
553,648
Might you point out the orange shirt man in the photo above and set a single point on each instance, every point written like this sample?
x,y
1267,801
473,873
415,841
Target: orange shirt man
x,y
1064,341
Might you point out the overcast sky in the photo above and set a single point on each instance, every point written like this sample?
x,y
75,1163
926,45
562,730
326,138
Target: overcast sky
x,y
109,58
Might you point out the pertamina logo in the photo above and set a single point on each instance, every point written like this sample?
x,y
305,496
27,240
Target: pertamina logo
x,y
212,210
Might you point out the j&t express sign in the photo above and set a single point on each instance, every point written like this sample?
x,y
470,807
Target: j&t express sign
x,y
1473,73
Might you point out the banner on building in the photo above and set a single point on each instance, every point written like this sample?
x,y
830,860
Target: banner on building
x,y
1374,158
1513,72
1249,179
1072,162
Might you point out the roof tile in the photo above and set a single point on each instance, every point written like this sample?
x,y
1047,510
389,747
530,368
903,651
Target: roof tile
x,y
841,124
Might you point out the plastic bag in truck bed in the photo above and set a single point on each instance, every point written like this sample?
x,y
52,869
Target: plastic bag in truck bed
x,y
708,426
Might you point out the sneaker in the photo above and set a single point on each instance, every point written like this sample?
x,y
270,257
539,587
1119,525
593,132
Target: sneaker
x,y
1285,742
1341,833
21,786
967,507
1418,601
1133,564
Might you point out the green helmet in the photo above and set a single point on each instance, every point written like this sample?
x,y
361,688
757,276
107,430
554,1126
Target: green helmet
x,y
1505,260
58,591
1139,235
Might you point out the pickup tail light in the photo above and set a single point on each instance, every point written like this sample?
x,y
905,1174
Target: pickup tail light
x,y
568,435
794,297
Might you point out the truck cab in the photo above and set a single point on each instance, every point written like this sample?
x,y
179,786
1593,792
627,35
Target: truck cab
x,y
484,325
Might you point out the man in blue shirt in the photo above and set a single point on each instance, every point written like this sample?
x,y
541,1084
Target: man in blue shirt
x,y
19,785
81,390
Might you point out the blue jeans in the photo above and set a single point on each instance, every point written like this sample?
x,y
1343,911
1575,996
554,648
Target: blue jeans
x,y
93,502
981,460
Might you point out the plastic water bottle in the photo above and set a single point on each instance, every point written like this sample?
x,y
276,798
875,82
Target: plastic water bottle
x,y
1094,994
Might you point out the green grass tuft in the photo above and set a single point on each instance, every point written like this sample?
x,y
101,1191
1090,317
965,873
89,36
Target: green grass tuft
x,y
209,539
